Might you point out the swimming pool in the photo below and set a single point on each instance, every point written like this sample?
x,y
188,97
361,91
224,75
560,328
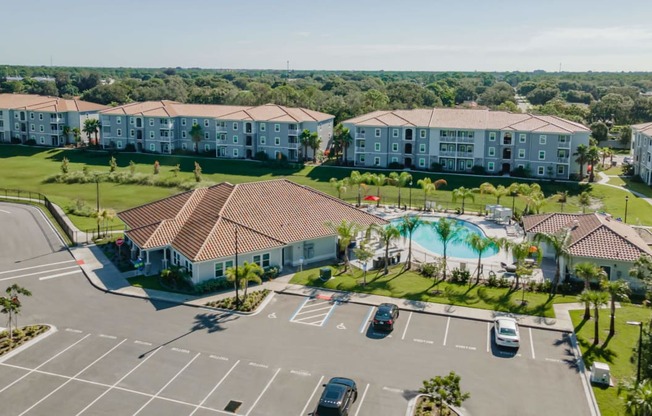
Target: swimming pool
x,y
427,238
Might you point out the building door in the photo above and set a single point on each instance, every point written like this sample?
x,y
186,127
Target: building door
x,y
408,148
507,168
408,162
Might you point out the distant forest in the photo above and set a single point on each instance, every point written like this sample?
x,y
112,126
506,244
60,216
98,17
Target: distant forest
x,y
589,98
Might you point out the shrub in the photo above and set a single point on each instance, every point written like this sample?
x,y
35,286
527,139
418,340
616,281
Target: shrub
x,y
437,167
197,172
262,156
31,142
520,172
428,270
213,285
65,165
176,278
460,276
271,272
130,147
395,165
478,170
16,140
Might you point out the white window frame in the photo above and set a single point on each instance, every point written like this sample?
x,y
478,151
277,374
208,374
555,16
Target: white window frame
x,y
235,139
277,141
562,168
151,122
377,133
42,140
184,146
32,127
131,133
183,134
262,127
422,162
41,128
394,132
152,147
277,128
543,139
235,126
183,121
376,161
492,136
521,154
422,133
491,152
491,166
118,120
40,116
541,170
422,148
376,147
151,134
31,116
118,132
263,140
235,152
207,147
522,137
542,155
206,135
394,147
118,144
206,123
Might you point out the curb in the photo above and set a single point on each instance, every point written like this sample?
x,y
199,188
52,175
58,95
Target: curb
x,y
584,376
29,343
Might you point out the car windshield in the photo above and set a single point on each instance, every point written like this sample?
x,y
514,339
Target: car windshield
x,y
327,411
507,331
383,314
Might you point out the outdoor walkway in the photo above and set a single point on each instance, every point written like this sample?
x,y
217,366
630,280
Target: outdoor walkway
x,y
604,179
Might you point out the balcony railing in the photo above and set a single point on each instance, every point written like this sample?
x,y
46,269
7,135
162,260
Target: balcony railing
x,y
563,159
468,155
447,139
447,153
360,149
221,129
293,132
292,145
465,139
561,145
359,135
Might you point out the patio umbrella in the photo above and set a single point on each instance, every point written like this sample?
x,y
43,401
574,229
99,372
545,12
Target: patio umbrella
x,y
372,198
534,249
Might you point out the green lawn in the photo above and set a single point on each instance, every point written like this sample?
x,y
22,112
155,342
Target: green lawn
x,y
614,170
152,283
27,167
616,351
412,286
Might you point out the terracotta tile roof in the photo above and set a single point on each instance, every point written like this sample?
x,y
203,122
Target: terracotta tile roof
x,y
267,112
47,104
645,128
201,223
462,118
592,235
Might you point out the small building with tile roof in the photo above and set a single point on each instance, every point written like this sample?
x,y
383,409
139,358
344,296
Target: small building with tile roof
x,y
41,119
227,131
596,238
277,222
456,140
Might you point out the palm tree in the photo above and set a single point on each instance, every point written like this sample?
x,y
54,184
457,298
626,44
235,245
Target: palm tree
x,y
532,195
584,200
344,139
593,157
387,235
407,227
339,185
248,272
315,143
429,187
514,190
606,152
449,231
596,299
463,193
643,270
377,180
196,134
359,180
581,153
346,231
558,243
588,271
562,198
91,127
618,290
304,139
400,181
638,398
66,133
76,134
520,252
479,244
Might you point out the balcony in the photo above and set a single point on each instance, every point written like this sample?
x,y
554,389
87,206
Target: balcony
x,y
294,145
447,139
447,153
359,135
468,155
465,139
221,129
360,149
563,145
293,132
563,159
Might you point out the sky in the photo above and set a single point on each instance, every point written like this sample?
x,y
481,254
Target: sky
x,y
402,35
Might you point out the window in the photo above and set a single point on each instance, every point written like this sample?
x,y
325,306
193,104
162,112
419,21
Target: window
x,y
492,136
361,159
41,129
189,267
31,116
205,122
377,133
542,154
119,132
521,138
490,166
542,139
235,152
492,151
183,121
151,122
521,166
42,140
262,127
263,140
184,146
131,121
422,148
422,134
219,270
563,139
183,134
235,139
207,147
16,126
206,135
541,170
151,134
131,133
377,147
394,132
235,126
176,259
118,120
32,127
119,144
376,161
422,162
277,141
152,147
277,127
560,169
521,153
40,116
394,147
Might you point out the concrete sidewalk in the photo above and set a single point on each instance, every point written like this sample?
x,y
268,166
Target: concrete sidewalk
x,y
105,276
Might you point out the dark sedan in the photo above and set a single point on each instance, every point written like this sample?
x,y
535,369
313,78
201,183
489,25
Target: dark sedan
x,y
386,316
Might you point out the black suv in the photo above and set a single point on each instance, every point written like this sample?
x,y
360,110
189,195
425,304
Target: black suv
x,y
385,317
337,398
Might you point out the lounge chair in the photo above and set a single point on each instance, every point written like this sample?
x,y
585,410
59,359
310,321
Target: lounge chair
x,y
508,268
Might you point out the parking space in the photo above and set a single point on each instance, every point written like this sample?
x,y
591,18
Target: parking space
x,y
553,347
314,311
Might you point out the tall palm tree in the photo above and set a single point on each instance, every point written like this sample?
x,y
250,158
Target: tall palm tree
x,y
196,134
521,251
400,181
343,139
449,231
597,299
514,190
429,187
315,143
340,185
407,227
479,244
581,153
638,398
91,127
377,180
463,193
76,134
605,153
359,180
248,272
618,290
588,271
593,157
66,133
387,235
346,231
531,194
304,139
558,243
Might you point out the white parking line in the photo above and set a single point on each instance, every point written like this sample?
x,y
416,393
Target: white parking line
x,y
35,273
52,358
214,388
306,310
406,325
305,408
263,392
362,400
6,212
64,384
366,319
37,267
299,309
446,334
488,336
118,382
531,343
60,275
167,384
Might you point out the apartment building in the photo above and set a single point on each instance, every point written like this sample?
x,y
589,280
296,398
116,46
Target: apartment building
x,y
26,117
642,145
225,131
456,140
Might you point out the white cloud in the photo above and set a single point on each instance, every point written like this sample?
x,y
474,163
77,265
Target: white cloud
x,y
302,34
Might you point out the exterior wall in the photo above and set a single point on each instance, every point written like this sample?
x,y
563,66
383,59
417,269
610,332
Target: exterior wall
x,y
642,145
322,249
206,270
618,269
5,125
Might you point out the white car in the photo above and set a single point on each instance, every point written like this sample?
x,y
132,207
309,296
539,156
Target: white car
x,y
506,332
627,160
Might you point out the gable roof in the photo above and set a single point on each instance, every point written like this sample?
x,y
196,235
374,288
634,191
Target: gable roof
x,y
32,102
645,128
267,112
201,223
463,118
592,235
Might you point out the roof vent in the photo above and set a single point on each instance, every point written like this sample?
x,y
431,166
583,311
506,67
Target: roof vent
x,y
576,223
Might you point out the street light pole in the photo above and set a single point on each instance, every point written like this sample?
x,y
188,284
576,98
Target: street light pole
x,y
97,197
640,341
410,203
626,202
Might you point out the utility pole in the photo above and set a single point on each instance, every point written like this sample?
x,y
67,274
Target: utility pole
x,y
237,298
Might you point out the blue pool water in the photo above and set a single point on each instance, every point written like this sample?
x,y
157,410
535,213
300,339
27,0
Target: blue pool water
x,y
427,238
